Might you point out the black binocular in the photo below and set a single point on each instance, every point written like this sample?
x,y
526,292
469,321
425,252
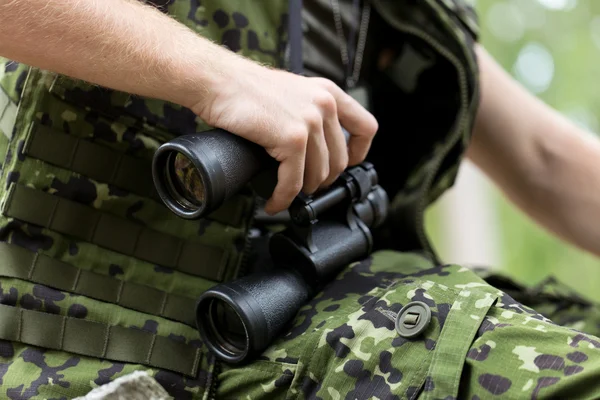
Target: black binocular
x,y
194,174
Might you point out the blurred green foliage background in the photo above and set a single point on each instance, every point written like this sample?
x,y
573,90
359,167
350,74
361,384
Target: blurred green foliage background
x,y
553,48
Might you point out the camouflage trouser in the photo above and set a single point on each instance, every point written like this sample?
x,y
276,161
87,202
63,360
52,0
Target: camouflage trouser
x,y
479,343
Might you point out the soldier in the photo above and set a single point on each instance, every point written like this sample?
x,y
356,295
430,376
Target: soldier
x,y
99,279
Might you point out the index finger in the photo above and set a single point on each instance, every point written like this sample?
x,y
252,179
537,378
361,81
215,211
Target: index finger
x,y
290,178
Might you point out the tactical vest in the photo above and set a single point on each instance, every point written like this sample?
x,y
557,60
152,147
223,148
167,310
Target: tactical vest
x,y
93,264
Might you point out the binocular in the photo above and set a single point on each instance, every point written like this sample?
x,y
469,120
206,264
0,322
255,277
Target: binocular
x,y
194,174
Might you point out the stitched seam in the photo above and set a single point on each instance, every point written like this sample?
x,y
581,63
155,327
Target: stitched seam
x,y
437,355
106,336
422,364
95,228
73,153
164,303
120,291
115,171
62,333
53,212
9,197
20,328
418,372
180,244
5,107
459,370
74,288
137,241
441,337
195,364
33,264
29,138
388,314
223,260
151,349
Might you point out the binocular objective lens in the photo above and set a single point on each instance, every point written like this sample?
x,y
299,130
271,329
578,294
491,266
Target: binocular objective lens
x,y
185,181
227,328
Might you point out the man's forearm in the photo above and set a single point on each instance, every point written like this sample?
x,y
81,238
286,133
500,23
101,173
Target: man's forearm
x,y
543,162
573,183
125,45
120,44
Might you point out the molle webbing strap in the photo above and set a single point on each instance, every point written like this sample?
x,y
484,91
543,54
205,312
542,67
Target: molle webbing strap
x,y
95,161
21,263
8,113
106,165
114,233
94,339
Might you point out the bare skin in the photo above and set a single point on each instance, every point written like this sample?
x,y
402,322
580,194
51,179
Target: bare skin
x,y
544,163
131,47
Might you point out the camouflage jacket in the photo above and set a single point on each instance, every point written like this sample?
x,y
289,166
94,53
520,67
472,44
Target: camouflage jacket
x,y
98,279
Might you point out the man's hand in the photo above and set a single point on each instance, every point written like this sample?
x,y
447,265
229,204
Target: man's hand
x,y
297,120
131,47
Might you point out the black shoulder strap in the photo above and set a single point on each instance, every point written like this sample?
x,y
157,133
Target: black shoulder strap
x,y
295,36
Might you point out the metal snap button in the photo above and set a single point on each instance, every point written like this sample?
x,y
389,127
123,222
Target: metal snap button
x,y
413,319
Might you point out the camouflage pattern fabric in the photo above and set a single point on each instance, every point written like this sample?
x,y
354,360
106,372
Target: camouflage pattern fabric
x,y
343,344
551,298
480,344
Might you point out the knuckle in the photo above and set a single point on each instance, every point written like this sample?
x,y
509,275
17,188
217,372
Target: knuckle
x,y
326,102
373,128
314,120
298,138
326,83
317,80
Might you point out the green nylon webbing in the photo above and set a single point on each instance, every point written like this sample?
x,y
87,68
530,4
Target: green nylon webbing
x,y
92,160
106,165
8,114
94,339
21,263
113,233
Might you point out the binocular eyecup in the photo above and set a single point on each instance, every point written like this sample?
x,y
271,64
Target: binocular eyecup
x,y
239,320
195,174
